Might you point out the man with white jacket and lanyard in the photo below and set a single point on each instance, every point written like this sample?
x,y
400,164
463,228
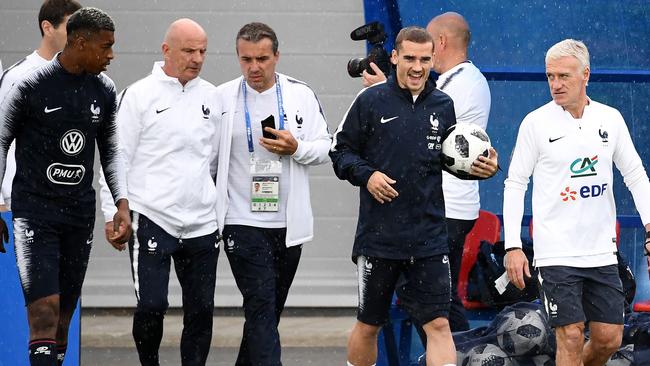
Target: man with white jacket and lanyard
x,y
569,145
168,135
264,229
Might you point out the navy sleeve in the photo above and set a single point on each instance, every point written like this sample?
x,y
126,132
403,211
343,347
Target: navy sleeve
x,y
349,142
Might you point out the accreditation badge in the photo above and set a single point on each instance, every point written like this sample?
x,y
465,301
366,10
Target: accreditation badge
x,y
265,185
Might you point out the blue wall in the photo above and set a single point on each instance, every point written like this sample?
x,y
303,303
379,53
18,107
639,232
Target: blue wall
x,y
14,332
509,41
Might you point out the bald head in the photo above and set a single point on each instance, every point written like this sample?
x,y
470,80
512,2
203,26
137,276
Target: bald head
x,y
452,25
450,34
183,28
184,49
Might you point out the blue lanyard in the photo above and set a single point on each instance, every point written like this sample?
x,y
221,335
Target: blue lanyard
x,y
247,116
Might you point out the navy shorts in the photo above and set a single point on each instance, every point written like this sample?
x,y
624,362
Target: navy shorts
x,y
52,258
574,295
423,287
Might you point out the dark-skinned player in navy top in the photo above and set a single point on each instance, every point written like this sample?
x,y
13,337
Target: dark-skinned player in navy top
x,y
55,116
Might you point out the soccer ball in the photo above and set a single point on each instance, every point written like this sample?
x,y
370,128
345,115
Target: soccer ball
x,y
464,143
487,355
622,357
522,333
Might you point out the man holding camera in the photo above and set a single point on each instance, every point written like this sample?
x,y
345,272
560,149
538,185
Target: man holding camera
x,y
264,229
469,90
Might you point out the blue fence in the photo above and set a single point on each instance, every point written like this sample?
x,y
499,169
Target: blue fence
x,y
14,332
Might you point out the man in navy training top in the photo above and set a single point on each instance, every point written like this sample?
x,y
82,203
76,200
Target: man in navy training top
x,y
55,116
389,144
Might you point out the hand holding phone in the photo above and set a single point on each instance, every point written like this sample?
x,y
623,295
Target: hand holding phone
x,y
268,122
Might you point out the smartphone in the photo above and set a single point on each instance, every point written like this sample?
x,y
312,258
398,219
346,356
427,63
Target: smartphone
x,y
268,122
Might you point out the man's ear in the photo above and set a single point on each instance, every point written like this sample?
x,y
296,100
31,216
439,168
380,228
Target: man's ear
x,y
47,28
393,57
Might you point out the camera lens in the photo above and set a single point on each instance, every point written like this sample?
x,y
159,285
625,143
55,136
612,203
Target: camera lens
x,y
356,66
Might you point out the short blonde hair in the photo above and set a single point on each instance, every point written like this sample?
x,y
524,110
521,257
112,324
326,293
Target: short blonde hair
x,y
569,47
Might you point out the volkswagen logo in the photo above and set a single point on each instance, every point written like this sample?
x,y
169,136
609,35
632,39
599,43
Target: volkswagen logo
x,y
72,142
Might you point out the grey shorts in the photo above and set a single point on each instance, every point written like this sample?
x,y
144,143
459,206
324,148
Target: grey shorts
x,y
573,295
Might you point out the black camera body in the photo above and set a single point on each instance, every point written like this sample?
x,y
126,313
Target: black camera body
x,y
374,33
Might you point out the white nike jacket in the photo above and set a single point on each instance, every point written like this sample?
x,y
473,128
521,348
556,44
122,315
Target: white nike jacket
x,y
313,145
169,137
573,199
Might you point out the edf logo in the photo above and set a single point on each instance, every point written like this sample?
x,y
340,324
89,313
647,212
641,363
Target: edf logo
x,y
595,190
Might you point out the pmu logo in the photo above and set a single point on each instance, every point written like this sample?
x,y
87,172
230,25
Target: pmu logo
x,y
72,142
65,174
584,167
568,194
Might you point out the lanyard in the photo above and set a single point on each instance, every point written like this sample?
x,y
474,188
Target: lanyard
x,y
247,116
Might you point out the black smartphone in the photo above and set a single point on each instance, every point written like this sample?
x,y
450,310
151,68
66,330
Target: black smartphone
x,y
268,122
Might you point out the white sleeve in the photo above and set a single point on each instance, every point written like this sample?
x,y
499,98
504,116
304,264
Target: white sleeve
x,y
6,82
629,163
214,97
522,164
129,124
314,148
476,105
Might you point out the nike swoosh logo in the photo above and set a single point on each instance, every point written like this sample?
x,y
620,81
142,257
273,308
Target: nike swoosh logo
x,y
47,110
386,120
553,140
162,110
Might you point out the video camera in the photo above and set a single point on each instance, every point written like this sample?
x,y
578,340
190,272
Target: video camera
x,y
374,33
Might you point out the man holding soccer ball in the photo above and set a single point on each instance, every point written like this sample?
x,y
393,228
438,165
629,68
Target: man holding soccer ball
x,y
389,144
569,145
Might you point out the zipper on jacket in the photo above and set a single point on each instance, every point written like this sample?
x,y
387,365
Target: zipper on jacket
x,y
412,260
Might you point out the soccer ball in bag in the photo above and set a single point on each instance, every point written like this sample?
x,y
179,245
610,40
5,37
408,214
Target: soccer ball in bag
x,y
487,355
464,143
522,332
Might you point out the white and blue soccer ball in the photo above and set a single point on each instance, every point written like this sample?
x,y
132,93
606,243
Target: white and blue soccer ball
x,y
522,332
464,143
487,355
